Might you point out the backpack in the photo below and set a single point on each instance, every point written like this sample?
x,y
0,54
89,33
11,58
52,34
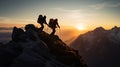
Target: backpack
x,y
51,21
40,19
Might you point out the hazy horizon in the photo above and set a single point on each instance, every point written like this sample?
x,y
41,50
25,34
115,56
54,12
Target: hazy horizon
x,y
68,35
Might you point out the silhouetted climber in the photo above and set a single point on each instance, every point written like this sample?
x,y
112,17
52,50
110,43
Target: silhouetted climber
x,y
53,24
41,20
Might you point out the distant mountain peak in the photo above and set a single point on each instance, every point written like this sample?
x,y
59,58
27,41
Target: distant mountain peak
x,y
100,47
115,27
99,29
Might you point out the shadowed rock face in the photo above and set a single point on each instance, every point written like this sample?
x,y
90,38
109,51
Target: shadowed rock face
x,y
32,48
100,47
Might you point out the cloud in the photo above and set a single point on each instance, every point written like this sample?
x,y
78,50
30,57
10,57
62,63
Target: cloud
x,y
81,11
80,15
105,5
14,20
5,37
6,28
4,19
67,10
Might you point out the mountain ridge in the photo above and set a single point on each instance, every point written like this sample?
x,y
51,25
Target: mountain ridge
x,y
100,47
35,48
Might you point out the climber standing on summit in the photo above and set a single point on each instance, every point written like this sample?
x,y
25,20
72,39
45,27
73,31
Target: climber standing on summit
x,y
53,24
41,20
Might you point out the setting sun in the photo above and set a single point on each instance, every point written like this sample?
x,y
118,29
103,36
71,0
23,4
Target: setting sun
x,y
80,27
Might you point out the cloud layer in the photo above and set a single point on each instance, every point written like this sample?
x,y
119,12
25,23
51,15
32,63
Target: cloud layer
x,y
15,21
6,28
105,5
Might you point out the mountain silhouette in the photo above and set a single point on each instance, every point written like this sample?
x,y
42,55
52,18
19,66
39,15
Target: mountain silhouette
x,y
33,48
100,47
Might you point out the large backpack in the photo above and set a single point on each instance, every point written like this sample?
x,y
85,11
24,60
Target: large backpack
x,y
51,23
40,19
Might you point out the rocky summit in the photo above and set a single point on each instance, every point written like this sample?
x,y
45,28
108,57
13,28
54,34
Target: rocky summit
x,y
34,48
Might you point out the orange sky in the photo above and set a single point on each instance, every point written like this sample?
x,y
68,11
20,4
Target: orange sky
x,y
88,14
66,33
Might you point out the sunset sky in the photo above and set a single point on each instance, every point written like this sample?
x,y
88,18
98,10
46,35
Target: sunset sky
x,y
86,13
73,15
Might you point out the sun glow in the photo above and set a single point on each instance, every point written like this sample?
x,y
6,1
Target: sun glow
x,y
80,27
